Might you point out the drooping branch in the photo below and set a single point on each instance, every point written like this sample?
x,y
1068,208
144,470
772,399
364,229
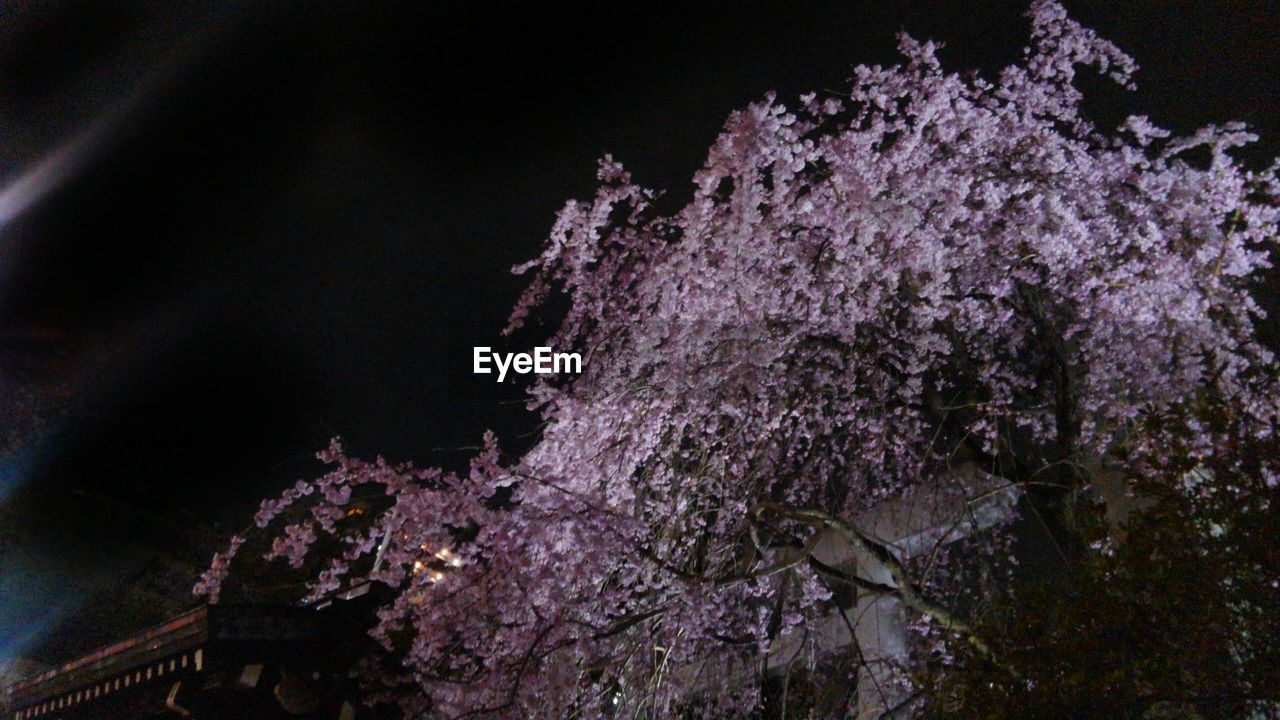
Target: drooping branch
x,y
904,588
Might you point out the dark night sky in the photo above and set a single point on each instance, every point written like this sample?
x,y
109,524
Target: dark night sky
x,y
288,223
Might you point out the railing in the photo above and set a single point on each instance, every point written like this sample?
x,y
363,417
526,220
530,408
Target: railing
x,y
161,641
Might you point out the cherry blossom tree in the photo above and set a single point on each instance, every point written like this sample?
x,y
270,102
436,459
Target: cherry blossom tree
x,y
870,296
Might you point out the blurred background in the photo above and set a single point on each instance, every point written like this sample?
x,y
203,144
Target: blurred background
x,y
230,231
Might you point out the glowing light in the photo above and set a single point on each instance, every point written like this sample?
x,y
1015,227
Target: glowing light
x,y
445,555
37,182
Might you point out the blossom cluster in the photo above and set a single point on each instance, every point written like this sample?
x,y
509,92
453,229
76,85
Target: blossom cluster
x,y
866,290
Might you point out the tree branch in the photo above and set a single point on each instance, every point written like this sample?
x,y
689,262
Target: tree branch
x,y
905,589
